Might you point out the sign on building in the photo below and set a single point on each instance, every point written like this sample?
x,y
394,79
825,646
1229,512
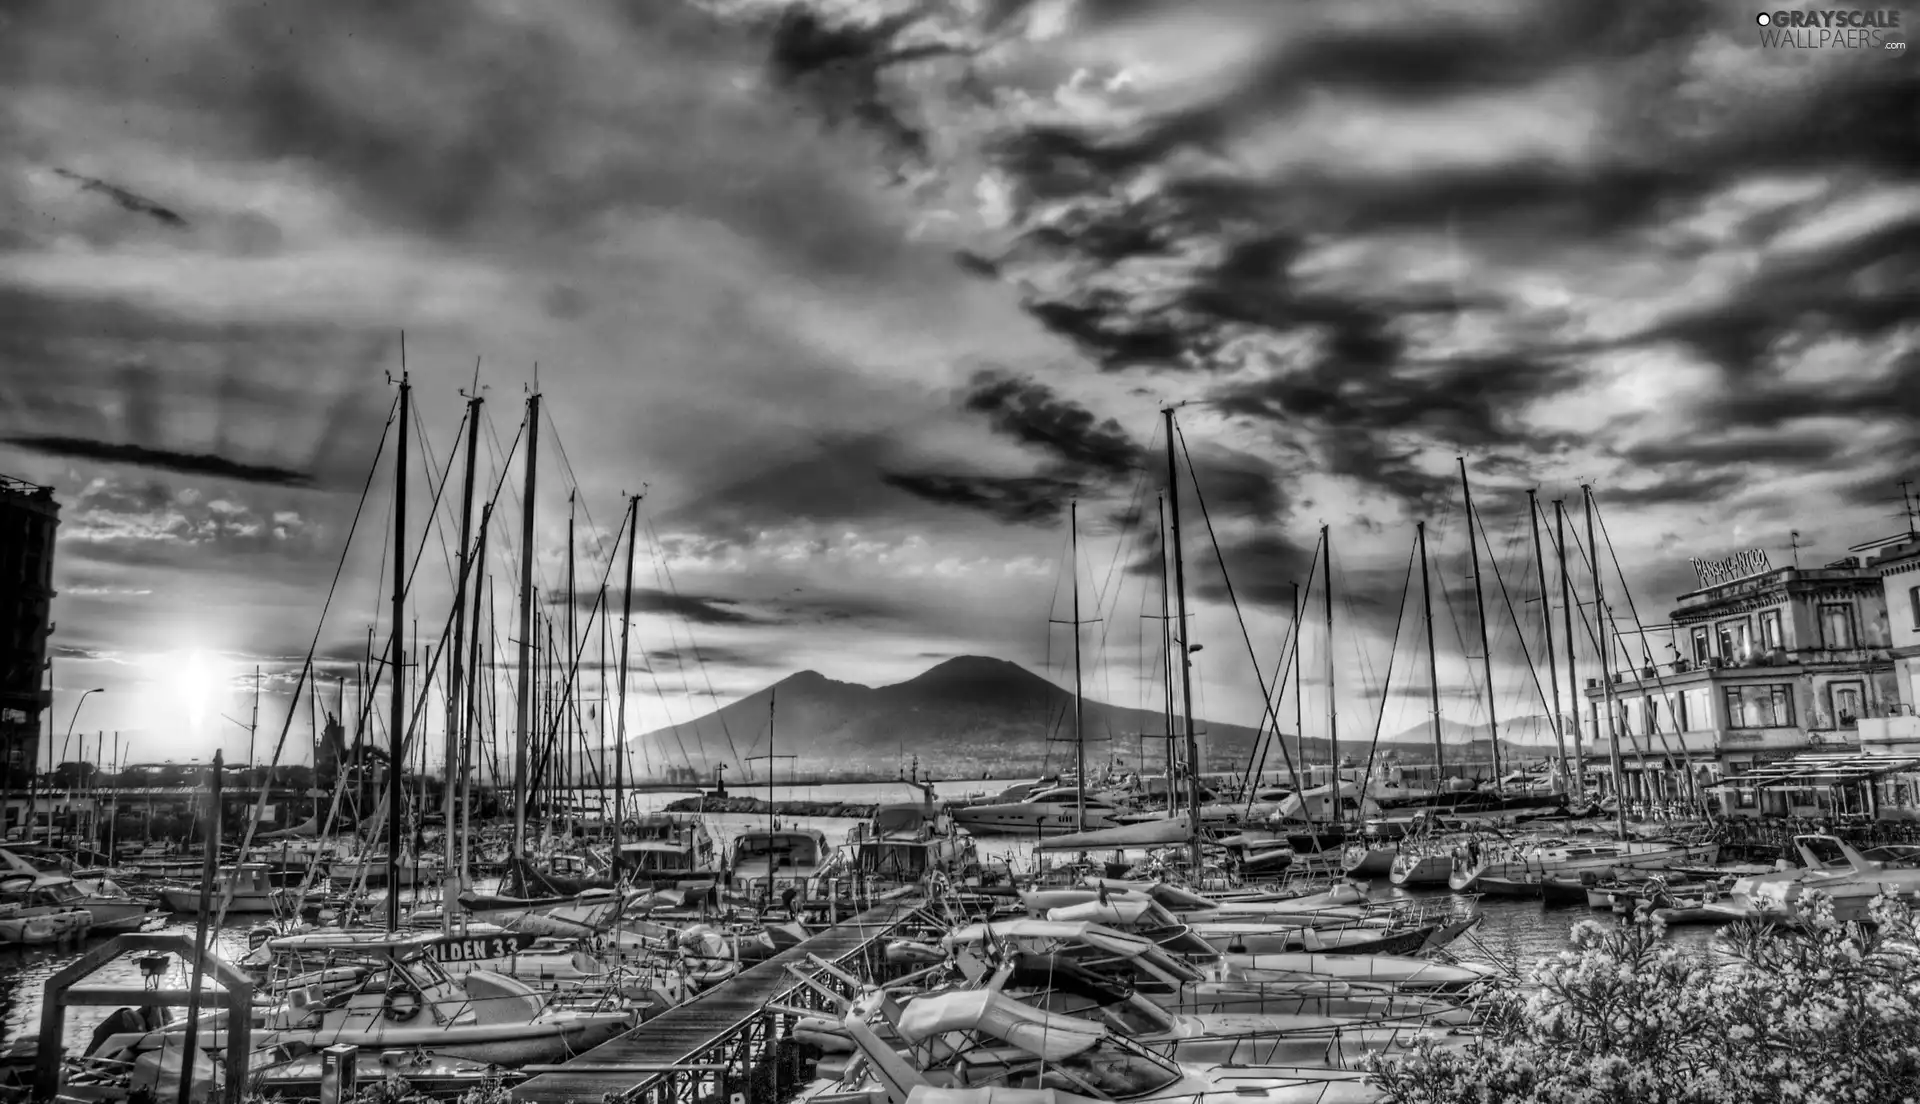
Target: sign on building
x,y
1740,565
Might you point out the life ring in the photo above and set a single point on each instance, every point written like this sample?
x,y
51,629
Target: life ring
x,y
402,1003
630,827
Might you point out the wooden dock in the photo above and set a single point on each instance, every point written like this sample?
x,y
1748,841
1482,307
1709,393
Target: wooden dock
x,y
705,1046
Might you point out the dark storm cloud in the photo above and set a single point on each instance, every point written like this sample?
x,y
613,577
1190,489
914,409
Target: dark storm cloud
x,y
138,204
1153,236
1020,500
282,403
1034,414
185,463
464,147
1084,453
698,609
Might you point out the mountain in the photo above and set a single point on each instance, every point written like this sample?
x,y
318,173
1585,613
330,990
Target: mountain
x,y
963,716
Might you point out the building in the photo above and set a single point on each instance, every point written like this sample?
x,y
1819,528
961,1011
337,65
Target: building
x,y
1762,664
1897,735
28,518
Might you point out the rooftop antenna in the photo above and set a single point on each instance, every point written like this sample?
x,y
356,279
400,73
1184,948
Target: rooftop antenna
x,y
1908,504
1793,541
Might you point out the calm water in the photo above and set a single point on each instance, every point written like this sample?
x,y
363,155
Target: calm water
x,y
1513,933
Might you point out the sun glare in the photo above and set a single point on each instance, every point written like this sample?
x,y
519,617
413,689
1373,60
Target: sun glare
x,y
199,681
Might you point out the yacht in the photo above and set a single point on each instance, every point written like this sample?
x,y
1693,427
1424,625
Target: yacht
x,y
664,852
1569,858
1849,877
770,863
1051,811
903,844
246,889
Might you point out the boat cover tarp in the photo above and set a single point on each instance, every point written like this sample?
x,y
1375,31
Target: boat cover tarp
x,y
306,829
1113,912
527,880
1150,833
1293,808
1046,1035
1093,935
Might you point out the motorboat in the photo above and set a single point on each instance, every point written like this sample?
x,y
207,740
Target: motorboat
x,y
238,890
1562,858
663,851
1832,866
775,864
384,991
1052,811
973,1046
902,844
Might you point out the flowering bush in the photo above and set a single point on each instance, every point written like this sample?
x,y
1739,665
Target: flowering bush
x,y
1823,1013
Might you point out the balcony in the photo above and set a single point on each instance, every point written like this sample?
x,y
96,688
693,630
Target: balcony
x,y
1773,739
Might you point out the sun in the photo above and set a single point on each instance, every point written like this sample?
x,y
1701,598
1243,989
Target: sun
x,y
199,681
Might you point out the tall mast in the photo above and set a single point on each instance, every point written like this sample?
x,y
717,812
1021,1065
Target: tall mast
x,y
1605,625
570,771
1433,664
473,694
396,735
450,885
1299,706
1166,651
1546,620
523,703
1567,614
620,725
1480,609
1079,719
1186,649
253,724
1333,710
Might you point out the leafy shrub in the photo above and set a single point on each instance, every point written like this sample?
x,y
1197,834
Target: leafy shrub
x,y
1825,1013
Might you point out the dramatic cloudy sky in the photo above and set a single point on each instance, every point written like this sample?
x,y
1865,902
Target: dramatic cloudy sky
x,y
861,299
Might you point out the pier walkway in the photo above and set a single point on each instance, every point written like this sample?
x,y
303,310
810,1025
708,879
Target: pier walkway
x,y
712,1045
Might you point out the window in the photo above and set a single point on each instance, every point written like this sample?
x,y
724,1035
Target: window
x,y
1762,706
1771,637
1703,649
1653,715
1913,598
1631,714
1696,710
1846,697
1736,639
1836,626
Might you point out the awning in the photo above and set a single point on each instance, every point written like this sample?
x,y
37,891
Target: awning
x,y
1046,1035
1817,770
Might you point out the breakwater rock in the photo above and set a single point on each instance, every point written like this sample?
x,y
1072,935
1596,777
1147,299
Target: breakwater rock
x,y
759,806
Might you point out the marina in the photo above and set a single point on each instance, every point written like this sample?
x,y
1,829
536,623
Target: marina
x,y
958,552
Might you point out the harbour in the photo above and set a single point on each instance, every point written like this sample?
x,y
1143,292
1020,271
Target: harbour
x,y
957,552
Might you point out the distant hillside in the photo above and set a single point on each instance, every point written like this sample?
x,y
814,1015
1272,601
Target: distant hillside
x,y
964,716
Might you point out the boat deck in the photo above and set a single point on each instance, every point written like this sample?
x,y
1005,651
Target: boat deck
x,y
679,1036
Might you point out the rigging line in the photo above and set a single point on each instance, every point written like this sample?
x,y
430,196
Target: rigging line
x,y
1659,680
560,446
260,806
662,568
1284,664
1257,756
659,692
1386,685
380,667
1110,587
434,513
1220,557
1500,579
